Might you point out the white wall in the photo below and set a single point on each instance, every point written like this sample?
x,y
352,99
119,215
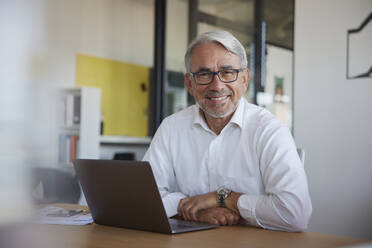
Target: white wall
x,y
40,39
333,116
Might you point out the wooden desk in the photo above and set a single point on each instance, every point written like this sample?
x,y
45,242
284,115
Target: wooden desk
x,y
103,236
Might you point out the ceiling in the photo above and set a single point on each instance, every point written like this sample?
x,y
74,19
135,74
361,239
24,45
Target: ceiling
x,y
278,15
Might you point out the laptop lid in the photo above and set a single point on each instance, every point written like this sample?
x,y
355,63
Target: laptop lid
x,y
125,194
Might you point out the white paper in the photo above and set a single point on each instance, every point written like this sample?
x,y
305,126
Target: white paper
x,y
41,217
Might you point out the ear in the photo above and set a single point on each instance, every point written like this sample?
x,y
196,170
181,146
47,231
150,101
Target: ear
x,y
188,83
245,77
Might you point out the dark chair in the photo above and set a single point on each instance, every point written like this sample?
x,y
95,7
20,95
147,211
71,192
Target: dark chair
x,y
124,156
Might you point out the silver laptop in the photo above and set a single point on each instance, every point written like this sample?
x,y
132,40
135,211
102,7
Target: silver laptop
x,y
124,194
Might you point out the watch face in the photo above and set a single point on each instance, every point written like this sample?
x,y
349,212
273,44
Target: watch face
x,y
222,194
224,191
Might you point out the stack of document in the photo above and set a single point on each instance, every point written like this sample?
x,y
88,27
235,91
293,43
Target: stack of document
x,y
58,215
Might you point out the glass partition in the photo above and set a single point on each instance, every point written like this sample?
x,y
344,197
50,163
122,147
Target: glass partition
x,y
237,17
278,91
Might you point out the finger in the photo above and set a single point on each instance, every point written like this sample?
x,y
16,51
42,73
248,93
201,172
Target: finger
x,y
214,221
181,204
208,219
186,211
193,213
230,219
236,218
179,207
222,220
191,208
184,206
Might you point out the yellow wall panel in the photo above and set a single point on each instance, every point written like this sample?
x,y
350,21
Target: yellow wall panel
x,y
124,102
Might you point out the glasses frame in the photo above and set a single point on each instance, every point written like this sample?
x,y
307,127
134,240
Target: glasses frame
x,y
214,73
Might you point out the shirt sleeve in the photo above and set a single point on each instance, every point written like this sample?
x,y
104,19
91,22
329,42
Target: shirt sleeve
x,y
159,157
286,204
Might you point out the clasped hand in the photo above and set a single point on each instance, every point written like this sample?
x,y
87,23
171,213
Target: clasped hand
x,y
204,208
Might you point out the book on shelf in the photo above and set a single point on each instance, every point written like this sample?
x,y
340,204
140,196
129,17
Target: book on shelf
x,y
68,148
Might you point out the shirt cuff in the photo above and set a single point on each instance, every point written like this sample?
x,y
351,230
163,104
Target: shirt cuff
x,y
247,209
170,202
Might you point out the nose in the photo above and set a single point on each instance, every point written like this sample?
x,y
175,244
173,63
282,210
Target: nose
x,y
216,84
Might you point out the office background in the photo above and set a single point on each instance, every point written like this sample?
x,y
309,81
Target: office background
x,y
331,114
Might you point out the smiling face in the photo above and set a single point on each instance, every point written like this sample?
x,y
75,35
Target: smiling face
x,y
217,99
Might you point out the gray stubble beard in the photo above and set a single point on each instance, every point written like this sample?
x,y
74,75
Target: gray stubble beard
x,y
218,116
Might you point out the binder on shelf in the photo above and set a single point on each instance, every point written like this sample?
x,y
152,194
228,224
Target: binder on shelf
x,y
71,105
76,112
68,148
69,110
73,147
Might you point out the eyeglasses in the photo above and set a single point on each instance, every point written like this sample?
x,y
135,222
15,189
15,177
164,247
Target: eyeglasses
x,y
206,77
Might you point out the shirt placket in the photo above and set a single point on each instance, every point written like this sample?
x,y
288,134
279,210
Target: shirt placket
x,y
213,152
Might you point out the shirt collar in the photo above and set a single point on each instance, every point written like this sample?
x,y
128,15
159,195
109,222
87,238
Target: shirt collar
x,y
237,118
239,114
199,118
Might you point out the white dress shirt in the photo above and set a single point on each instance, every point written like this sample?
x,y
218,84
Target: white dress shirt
x,y
254,154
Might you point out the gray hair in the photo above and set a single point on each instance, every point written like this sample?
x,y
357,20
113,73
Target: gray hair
x,y
226,39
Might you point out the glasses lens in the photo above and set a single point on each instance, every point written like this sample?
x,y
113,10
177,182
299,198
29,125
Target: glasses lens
x,y
227,75
204,77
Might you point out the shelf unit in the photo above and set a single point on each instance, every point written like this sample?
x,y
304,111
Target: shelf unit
x,y
109,139
78,124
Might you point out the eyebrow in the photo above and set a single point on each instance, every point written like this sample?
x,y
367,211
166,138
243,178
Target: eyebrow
x,y
204,69
223,67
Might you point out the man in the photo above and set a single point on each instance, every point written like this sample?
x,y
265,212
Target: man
x,y
224,160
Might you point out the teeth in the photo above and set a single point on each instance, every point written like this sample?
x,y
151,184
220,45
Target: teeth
x,y
218,98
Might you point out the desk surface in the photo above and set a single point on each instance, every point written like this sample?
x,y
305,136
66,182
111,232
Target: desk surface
x,y
104,236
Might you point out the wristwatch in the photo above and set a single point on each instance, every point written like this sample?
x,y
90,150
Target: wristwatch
x,y
222,194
